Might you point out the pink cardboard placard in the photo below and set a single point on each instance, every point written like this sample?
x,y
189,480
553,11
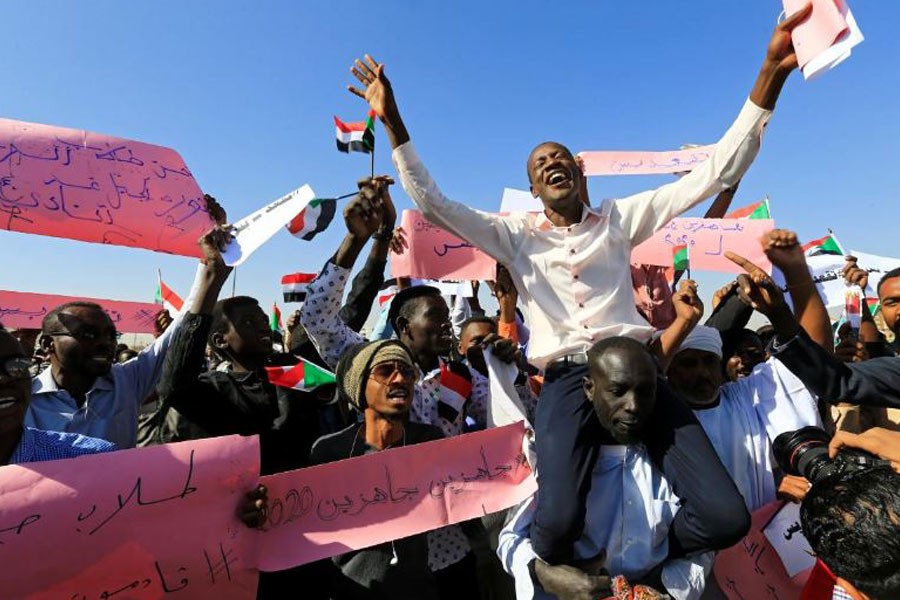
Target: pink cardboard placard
x,y
644,163
752,568
74,184
434,253
327,510
140,524
26,310
707,241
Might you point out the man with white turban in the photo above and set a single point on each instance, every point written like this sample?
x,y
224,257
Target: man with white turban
x,y
743,417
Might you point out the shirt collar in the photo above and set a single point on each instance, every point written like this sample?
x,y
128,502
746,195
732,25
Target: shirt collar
x,y
587,212
45,384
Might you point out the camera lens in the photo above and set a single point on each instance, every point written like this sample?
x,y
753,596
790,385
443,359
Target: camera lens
x,y
804,453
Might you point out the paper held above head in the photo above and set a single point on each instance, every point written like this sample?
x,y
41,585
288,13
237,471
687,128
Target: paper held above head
x,y
253,231
74,184
25,310
826,38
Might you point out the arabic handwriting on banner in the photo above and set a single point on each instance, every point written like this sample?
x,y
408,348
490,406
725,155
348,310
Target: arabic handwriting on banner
x,y
644,163
85,186
708,240
753,568
434,253
105,525
405,491
24,310
256,229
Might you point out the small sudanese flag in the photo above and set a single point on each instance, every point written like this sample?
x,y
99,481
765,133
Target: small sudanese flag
x,y
167,297
680,258
356,137
294,286
313,219
825,245
304,376
759,210
275,319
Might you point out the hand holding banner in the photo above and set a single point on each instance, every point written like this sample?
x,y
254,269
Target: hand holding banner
x,y
74,184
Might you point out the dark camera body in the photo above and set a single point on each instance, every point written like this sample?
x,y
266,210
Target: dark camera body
x,y
804,453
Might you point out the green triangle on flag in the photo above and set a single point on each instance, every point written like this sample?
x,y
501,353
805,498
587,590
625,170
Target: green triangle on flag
x,y
680,258
304,376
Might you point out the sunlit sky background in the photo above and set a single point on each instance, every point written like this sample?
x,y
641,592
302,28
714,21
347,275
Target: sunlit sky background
x,y
245,91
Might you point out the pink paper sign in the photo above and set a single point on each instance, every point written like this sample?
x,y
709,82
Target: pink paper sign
x,y
327,510
820,31
140,524
707,241
752,567
434,253
24,310
644,163
86,186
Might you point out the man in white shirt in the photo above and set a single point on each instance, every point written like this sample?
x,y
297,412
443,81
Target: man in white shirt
x,y
571,267
634,512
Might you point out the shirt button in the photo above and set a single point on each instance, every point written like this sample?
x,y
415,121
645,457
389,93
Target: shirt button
x,y
581,305
585,326
572,251
574,276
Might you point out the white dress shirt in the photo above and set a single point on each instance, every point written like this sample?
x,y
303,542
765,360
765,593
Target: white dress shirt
x,y
629,511
111,405
751,413
575,281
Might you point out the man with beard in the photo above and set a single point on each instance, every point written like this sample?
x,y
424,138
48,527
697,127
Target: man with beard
x,y
445,392
570,264
84,391
634,512
21,444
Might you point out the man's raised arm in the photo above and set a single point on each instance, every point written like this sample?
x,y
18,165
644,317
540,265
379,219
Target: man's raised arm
x,y
488,232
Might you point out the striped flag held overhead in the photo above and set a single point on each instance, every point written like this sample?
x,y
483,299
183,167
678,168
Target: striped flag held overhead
x,y
356,137
294,286
304,376
313,219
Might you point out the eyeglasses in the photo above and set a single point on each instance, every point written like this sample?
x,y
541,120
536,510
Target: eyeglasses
x,y
384,372
89,335
17,367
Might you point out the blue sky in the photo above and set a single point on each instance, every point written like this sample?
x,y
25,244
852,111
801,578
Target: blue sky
x,y
245,91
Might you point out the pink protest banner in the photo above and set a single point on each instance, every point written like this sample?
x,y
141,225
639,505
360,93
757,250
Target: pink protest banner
x,y
327,510
25,310
644,163
752,568
434,253
707,241
86,186
139,524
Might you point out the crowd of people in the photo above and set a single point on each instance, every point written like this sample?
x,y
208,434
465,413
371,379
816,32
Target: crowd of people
x,y
655,436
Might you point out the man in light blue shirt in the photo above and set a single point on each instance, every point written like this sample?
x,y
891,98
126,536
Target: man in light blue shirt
x,y
83,391
637,516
